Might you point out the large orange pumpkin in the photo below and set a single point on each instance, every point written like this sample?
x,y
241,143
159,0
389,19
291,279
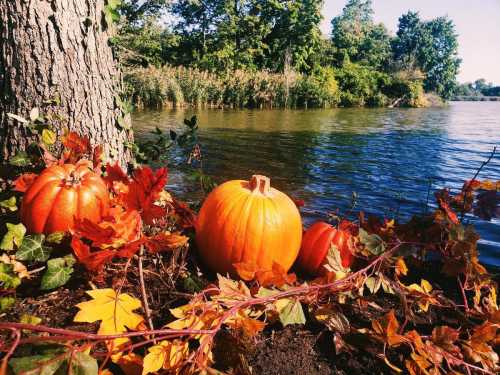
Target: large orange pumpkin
x,y
249,222
61,194
316,243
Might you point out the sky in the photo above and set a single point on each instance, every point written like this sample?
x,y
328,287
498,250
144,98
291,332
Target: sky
x,y
477,24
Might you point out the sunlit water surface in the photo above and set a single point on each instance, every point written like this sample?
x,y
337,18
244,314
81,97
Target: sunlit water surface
x,y
391,158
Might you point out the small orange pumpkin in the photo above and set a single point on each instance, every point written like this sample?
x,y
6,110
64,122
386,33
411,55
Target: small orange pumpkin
x,y
316,243
249,222
61,194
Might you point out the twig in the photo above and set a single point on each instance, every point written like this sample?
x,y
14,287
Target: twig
x,y
467,185
17,334
466,304
145,303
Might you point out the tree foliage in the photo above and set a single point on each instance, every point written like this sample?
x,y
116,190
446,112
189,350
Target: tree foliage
x,y
431,46
224,36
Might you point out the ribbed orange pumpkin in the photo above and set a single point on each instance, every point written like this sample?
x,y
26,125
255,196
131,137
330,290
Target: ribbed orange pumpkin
x,y
316,243
61,194
250,222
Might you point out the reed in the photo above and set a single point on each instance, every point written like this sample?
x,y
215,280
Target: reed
x,y
168,86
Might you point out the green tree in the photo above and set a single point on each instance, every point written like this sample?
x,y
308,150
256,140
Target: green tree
x,y
295,32
357,38
136,10
431,46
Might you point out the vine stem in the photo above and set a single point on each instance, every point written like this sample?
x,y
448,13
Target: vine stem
x,y
17,334
145,303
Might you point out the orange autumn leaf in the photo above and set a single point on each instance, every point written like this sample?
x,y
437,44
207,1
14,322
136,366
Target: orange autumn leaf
x,y
143,191
387,328
165,242
23,182
276,276
246,271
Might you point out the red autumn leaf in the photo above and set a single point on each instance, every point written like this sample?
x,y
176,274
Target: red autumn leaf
x,y
94,260
186,217
114,173
76,144
165,242
143,191
130,249
97,157
443,198
23,182
93,232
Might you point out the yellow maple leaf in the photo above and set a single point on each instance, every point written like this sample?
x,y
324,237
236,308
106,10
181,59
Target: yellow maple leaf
x,y
167,355
114,311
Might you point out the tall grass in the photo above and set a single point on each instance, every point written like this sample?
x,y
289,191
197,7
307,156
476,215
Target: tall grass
x,y
179,87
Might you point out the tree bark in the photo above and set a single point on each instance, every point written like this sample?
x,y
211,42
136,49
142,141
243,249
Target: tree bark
x,y
60,49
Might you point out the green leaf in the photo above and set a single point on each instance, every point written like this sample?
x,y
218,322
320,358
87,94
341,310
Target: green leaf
x,y
32,249
14,236
84,364
58,272
9,204
48,137
21,159
30,319
372,242
123,124
55,237
6,303
35,365
292,313
17,118
8,278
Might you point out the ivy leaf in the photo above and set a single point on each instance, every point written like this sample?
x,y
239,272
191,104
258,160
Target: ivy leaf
x,y
43,364
56,237
32,249
290,312
8,277
6,303
373,242
9,204
30,319
48,137
14,236
83,364
126,125
21,159
58,272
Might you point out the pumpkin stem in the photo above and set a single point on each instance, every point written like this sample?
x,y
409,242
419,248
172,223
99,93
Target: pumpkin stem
x,y
74,179
260,183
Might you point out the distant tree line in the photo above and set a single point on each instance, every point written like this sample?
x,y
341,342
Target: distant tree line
x,y
279,36
478,88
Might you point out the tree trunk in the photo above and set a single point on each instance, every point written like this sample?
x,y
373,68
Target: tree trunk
x,y
59,49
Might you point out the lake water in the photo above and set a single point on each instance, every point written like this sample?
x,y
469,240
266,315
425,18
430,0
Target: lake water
x,y
389,157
